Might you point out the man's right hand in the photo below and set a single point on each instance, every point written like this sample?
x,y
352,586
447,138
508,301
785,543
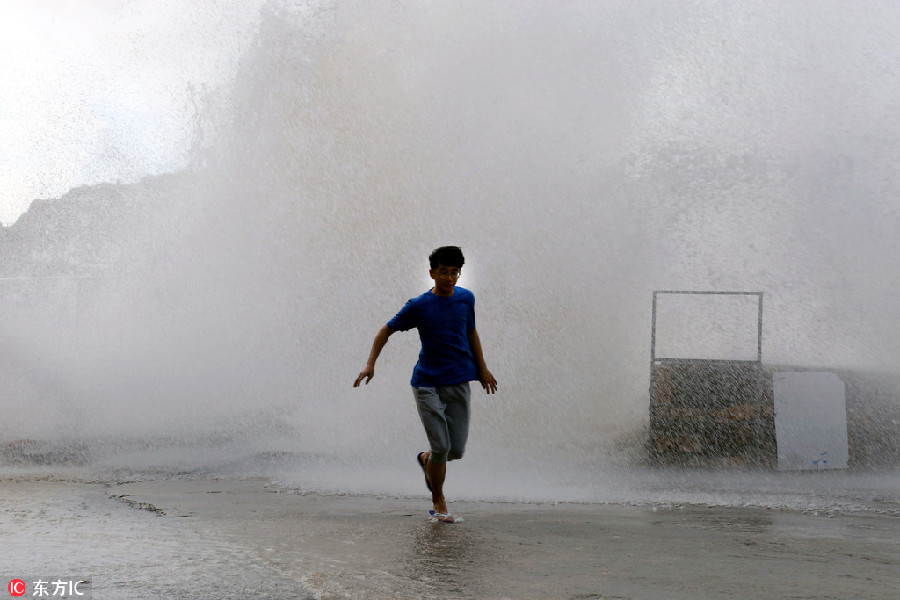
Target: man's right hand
x,y
368,373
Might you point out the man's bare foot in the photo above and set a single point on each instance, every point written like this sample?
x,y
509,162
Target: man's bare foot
x,y
422,459
434,478
440,507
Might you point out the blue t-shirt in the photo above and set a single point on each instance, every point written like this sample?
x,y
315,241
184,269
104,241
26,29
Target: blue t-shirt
x,y
444,325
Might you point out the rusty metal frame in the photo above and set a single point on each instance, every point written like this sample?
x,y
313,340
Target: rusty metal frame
x,y
656,361
759,325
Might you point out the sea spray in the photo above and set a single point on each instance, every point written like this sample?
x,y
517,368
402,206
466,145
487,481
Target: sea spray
x,y
582,156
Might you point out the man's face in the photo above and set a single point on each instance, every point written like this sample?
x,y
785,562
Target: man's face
x,y
445,279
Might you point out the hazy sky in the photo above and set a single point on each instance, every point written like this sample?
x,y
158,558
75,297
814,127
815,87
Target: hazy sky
x,y
99,90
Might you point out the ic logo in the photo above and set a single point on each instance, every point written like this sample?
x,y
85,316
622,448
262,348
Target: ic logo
x,y
16,587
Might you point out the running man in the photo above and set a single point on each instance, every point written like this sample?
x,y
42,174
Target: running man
x,y
450,358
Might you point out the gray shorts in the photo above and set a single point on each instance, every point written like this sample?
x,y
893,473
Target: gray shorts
x,y
445,414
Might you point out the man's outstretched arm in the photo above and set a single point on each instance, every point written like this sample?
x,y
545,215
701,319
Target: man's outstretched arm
x,y
381,339
484,374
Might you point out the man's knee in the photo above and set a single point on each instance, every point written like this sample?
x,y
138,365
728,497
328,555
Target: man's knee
x,y
455,455
439,456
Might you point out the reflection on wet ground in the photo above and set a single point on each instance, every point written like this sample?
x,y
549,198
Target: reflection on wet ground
x,y
446,558
245,537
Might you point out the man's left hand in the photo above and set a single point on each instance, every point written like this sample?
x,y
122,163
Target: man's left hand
x,y
488,382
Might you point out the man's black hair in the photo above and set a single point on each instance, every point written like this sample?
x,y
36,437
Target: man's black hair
x,y
449,256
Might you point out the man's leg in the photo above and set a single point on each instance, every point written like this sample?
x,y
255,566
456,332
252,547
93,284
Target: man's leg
x,y
431,412
456,412
437,473
454,402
